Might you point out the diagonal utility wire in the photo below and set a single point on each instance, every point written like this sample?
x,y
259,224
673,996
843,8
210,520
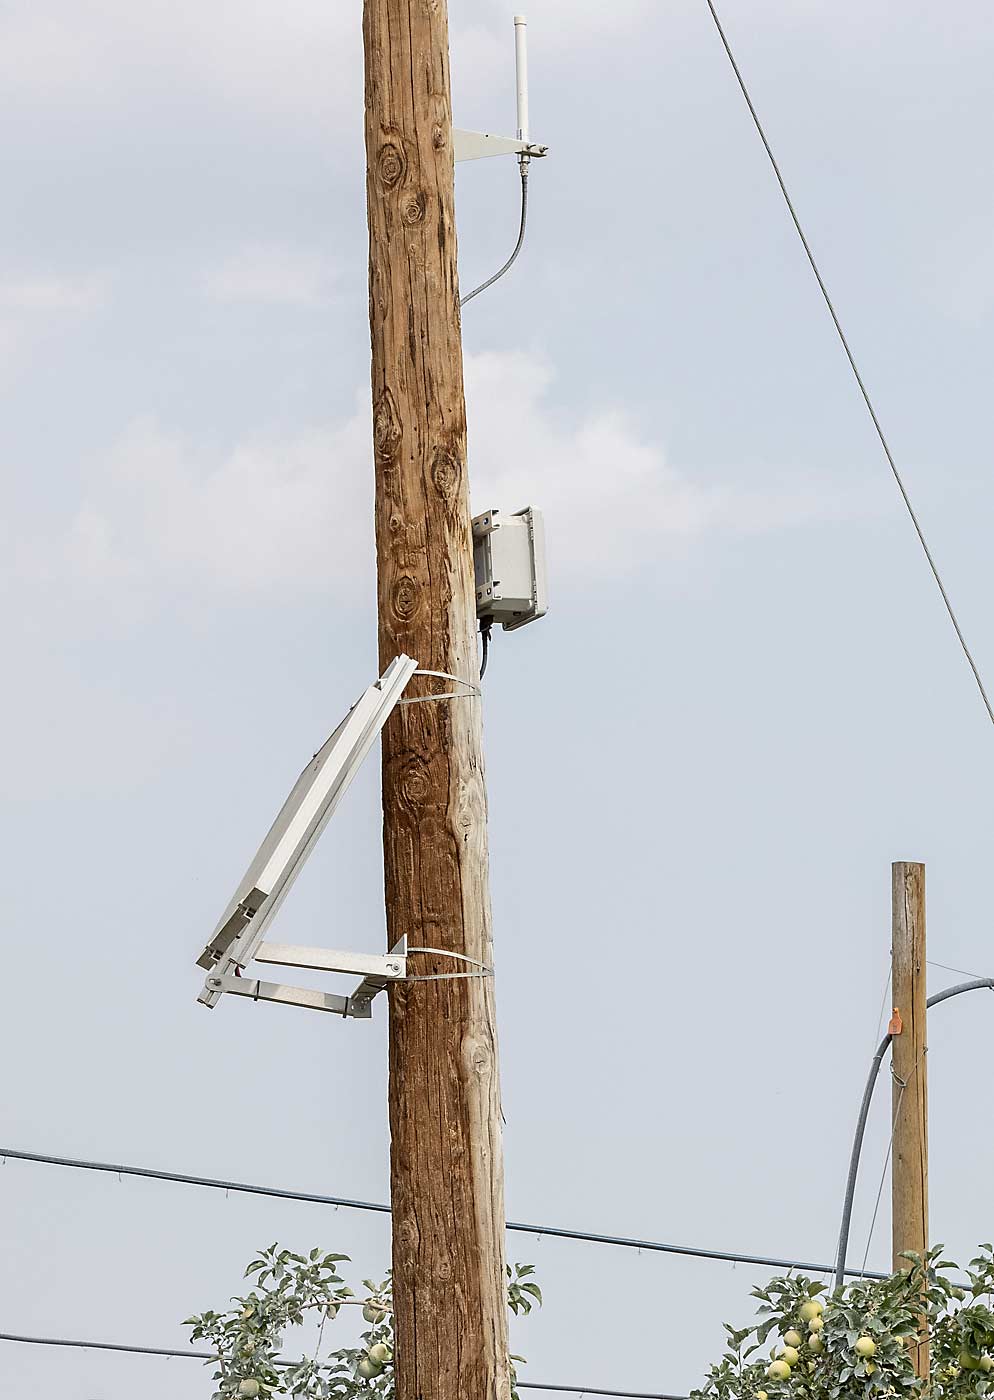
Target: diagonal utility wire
x,y
852,362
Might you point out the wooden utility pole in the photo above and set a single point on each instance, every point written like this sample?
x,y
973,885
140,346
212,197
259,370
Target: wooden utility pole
x,y
446,1157
909,1181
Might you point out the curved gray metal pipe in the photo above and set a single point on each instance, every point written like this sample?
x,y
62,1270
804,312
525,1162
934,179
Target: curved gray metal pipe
x,y
977,984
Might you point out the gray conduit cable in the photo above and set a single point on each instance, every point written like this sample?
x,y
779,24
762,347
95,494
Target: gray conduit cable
x,y
523,167
977,984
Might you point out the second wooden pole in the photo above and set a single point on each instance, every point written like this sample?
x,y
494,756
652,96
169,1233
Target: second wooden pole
x,y
909,1182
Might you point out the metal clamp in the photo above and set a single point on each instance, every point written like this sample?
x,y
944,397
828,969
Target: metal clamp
x,y
469,691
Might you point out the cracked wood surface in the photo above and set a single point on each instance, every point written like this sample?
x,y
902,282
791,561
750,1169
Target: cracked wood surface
x,y
445,1122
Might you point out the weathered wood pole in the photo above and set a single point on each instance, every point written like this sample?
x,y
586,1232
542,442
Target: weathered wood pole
x,y
445,1122
909,1171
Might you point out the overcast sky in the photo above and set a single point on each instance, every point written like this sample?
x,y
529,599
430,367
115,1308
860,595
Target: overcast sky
x,y
745,702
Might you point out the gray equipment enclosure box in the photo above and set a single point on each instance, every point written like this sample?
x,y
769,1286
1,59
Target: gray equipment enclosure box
x,y
509,558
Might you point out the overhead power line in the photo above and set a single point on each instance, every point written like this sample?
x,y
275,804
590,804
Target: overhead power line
x,y
314,1198
822,287
209,1356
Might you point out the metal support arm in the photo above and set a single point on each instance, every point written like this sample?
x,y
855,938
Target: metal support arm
x,y
389,966
477,145
288,996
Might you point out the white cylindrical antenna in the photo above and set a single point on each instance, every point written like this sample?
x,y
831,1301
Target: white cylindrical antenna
x,y
521,73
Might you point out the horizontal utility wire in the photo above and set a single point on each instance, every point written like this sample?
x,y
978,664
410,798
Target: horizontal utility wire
x,y
555,1231
210,1356
822,287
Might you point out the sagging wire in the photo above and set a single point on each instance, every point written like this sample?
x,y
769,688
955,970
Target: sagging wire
x,y
170,1352
763,1261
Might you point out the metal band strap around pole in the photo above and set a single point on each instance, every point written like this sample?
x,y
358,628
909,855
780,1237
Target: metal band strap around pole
x,y
470,691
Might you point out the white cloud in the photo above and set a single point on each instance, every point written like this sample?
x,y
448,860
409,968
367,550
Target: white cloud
x,y
32,307
51,294
612,500
267,517
605,489
295,54
293,518
290,55
271,276
34,43
571,19
957,275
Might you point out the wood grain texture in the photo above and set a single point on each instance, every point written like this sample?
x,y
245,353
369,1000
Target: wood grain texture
x,y
909,1182
446,1155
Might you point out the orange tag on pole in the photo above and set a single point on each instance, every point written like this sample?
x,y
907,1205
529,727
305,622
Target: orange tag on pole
x,y
896,1024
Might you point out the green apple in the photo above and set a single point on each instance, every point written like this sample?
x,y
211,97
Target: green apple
x,y
369,1370
380,1354
816,1324
816,1344
865,1347
810,1309
792,1338
790,1355
248,1388
778,1371
969,1361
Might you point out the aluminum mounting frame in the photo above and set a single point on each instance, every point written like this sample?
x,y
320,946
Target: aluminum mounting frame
x,y
377,970
238,938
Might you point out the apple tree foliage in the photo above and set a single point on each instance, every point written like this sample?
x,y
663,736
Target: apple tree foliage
x,y
858,1343
288,1290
